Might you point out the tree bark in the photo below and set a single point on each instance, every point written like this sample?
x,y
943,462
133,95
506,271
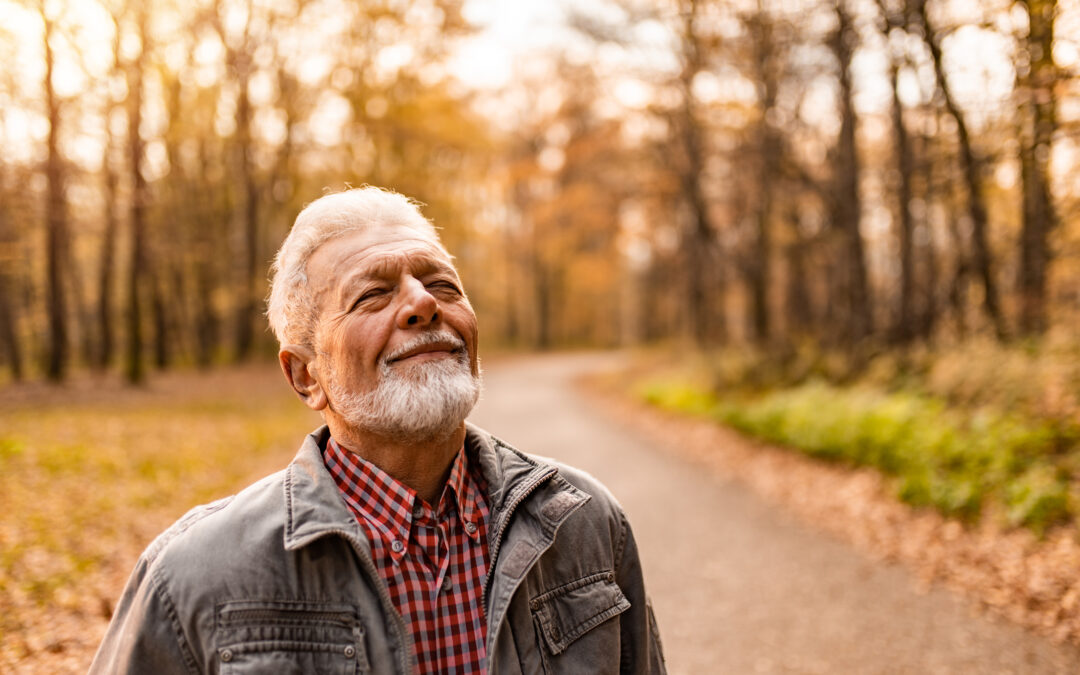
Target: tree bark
x,y
9,316
136,270
1039,121
56,222
699,241
246,303
769,147
972,170
904,329
846,205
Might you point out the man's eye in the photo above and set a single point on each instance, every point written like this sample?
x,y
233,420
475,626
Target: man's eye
x,y
448,286
368,295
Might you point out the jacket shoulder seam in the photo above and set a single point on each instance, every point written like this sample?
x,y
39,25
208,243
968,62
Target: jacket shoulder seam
x,y
182,642
186,522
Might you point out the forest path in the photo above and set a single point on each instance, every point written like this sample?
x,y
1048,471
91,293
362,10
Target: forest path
x,y
738,585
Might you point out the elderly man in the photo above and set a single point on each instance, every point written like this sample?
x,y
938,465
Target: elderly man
x,y
400,539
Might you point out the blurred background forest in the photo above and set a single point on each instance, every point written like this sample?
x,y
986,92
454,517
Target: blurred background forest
x,y
852,227
858,176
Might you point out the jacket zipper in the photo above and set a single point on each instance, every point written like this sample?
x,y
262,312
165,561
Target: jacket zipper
x,y
297,614
508,512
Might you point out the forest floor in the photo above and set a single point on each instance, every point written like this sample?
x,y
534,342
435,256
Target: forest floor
x,y
90,472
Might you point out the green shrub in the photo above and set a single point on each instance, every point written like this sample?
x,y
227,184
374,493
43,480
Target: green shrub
x,y
942,457
1037,499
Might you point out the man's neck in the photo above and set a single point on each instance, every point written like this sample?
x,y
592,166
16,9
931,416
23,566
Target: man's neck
x,y
421,465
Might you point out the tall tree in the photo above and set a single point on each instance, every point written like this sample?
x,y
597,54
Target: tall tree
x,y
1038,115
846,206
107,259
699,246
971,164
903,329
9,314
769,145
240,64
136,371
56,223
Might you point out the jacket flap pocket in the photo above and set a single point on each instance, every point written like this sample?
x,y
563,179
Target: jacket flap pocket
x,y
289,636
570,611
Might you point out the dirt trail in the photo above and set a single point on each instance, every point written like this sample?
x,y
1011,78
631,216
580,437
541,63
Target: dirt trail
x,y
738,585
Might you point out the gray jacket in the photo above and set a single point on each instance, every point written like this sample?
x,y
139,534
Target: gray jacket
x,y
279,579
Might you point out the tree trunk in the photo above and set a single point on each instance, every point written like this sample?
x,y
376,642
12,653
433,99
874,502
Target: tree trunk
x,y
106,341
159,314
904,327
246,303
1039,120
56,223
800,312
699,244
846,208
9,316
972,169
136,270
769,148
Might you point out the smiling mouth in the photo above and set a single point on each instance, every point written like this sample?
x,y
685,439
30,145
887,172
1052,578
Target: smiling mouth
x,y
426,354
430,348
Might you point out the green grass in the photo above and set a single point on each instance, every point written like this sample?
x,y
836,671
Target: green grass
x,y
940,457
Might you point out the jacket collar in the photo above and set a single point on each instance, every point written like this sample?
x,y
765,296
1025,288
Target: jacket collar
x,y
314,507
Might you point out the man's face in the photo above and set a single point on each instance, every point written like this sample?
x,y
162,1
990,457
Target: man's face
x,y
392,313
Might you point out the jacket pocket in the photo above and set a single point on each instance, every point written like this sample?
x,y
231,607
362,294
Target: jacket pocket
x,y
568,612
289,637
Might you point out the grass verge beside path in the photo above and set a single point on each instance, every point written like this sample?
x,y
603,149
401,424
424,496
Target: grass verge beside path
x,y
961,464
88,476
1010,571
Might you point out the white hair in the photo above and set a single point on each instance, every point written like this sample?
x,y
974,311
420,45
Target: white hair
x,y
291,310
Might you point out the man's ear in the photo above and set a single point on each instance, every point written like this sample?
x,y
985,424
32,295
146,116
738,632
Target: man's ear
x,y
298,364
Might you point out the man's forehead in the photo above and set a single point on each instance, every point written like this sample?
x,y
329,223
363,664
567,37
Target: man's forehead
x,y
377,249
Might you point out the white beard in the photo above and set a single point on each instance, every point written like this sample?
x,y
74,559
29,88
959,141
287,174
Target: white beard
x,y
415,403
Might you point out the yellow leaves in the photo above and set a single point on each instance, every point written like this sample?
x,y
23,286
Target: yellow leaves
x,y
87,481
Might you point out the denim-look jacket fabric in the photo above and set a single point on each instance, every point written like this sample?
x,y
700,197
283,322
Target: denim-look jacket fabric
x,y
279,579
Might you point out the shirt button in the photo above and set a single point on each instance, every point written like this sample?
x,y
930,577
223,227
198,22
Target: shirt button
x,y
470,528
350,652
418,511
447,584
226,655
396,546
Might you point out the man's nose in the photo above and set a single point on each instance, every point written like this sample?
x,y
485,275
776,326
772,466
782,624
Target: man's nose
x,y
418,306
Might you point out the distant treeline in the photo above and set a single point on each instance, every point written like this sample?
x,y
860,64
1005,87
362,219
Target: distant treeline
x,y
822,171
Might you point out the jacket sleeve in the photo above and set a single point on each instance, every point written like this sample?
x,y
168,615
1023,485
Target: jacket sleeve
x,y
144,635
639,638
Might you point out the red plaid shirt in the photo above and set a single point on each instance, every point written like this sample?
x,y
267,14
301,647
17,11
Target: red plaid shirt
x,y
433,560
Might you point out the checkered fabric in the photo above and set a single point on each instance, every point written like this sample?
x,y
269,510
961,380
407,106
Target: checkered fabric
x,y
433,559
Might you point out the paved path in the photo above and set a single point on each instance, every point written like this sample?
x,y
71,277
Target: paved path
x,y
739,586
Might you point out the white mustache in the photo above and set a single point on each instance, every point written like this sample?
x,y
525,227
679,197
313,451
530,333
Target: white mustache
x,y
422,340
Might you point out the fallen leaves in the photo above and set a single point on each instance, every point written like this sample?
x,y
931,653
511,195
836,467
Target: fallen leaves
x,y
94,471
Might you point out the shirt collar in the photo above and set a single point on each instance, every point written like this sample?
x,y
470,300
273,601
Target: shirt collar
x,y
388,505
